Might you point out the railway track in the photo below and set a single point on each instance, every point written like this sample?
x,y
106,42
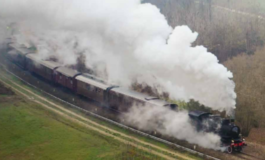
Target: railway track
x,y
251,157
114,122
245,156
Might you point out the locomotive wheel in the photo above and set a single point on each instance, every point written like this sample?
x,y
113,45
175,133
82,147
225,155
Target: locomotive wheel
x,y
229,149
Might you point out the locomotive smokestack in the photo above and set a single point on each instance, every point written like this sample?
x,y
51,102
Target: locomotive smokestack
x,y
233,114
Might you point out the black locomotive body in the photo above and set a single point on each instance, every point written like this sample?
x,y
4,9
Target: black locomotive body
x,y
229,132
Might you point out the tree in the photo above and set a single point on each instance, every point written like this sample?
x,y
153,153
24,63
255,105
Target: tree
x,y
249,77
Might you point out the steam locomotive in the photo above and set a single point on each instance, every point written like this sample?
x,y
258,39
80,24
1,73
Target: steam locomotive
x,y
229,132
116,97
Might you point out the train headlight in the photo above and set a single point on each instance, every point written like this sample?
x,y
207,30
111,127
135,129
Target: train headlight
x,y
232,142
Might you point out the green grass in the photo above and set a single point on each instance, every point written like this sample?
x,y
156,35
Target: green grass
x,y
30,132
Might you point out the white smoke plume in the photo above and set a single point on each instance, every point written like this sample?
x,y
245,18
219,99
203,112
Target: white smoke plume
x,y
126,40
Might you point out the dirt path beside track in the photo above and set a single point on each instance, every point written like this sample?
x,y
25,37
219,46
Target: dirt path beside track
x,y
95,126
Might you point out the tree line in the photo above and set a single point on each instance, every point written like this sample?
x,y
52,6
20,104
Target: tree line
x,y
237,40
224,33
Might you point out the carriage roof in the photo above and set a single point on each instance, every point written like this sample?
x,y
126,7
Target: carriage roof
x,y
20,49
92,82
34,57
130,93
140,96
68,71
50,64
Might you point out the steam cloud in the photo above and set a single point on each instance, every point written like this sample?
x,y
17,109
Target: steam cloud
x,y
127,41
170,123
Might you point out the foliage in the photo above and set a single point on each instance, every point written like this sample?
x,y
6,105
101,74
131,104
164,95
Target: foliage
x,y
33,48
190,106
251,6
249,77
229,34
223,32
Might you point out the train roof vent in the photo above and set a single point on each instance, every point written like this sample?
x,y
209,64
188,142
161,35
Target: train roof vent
x,y
198,114
150,98
172,106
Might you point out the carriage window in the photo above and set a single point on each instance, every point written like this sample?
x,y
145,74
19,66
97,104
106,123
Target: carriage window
x,y
71,82
128,102
88,87
120,98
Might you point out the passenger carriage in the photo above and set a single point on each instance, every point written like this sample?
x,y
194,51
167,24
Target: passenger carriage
x,y
90,88
66,77
18,54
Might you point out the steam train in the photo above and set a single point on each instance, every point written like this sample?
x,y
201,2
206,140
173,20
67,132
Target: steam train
x,y
229,132
116,97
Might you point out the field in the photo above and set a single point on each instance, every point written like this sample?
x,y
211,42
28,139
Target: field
x,y
28,131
